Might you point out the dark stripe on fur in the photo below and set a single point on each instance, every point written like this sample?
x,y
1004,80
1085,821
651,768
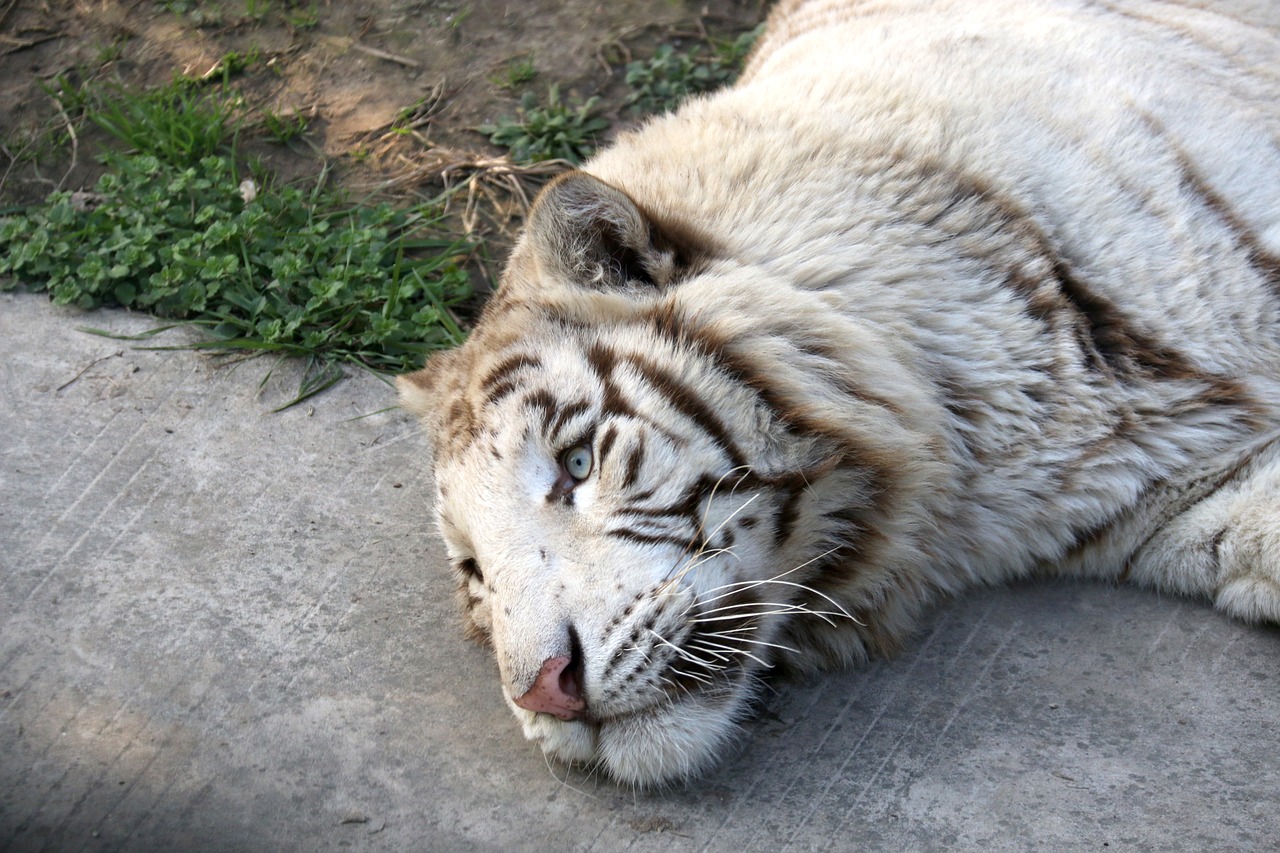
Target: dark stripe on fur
x,y
687,507
634,460
666,320
735,361
1112,336
1181,32
788,514
689,403
463,426
545,401
849,525
499,381
501,390
873,463
639,538
606,443
566,414
1110,341
1266,262
603,360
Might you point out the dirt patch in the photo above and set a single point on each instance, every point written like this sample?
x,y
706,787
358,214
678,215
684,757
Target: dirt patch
x,y
391,91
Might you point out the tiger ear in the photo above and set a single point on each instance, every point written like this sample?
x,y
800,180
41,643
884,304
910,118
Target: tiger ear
x,y
585,231
426,392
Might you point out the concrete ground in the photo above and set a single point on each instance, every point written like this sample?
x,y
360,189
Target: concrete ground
x,y
226,629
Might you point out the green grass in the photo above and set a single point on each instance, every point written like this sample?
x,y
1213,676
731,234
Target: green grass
x,y
298,18
666,79
554,129
516,73
283,128
177,228
548,130
256,10
199,14
181,226
179,123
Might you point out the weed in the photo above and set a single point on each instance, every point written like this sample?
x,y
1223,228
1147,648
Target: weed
x,y
414,116
175,228
297,18
256,10
109,53
291,272
28,143
669,77
455,20
732,53
71,96
233,63
517,73
282,127
554,130
177,123
199,14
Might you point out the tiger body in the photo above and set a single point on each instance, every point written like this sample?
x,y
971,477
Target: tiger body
x,y
939,294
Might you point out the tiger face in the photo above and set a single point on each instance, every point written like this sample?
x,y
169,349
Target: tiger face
x,y
611,546
630,524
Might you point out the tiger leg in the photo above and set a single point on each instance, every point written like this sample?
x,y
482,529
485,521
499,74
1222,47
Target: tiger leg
x,y
1226,547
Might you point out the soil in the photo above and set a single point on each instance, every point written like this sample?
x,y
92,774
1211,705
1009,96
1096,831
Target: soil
x,y
353,70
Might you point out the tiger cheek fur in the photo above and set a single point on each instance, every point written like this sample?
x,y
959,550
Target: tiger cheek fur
x,y
928,300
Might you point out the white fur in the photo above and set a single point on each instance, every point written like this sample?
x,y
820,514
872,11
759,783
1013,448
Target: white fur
x,y
971,290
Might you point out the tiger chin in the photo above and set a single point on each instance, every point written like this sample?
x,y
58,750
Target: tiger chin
x,y
938,295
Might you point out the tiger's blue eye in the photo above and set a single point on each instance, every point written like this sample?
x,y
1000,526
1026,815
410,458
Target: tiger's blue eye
x,y
577,462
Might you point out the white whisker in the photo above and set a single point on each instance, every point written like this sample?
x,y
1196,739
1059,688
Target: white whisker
x,y
644,654
692,658
732,650
701,679
745,469
787,611
708,648
698,560
739,630
747,605
675,686
763,643
701,524
732,514
810,589
753,583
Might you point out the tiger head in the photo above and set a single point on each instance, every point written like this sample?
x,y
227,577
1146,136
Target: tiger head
x,y
645,498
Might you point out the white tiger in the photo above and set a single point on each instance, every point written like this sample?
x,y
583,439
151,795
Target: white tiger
x,y
939,294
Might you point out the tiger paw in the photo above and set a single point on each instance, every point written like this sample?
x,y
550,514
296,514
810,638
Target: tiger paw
x,y
1249,559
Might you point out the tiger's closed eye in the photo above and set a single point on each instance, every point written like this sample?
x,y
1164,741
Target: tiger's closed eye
x,y
577,462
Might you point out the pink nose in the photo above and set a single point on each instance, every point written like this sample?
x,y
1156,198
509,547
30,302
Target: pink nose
x,y
557,691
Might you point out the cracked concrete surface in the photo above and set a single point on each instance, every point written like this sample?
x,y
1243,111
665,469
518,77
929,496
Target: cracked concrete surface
x,y
225,629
